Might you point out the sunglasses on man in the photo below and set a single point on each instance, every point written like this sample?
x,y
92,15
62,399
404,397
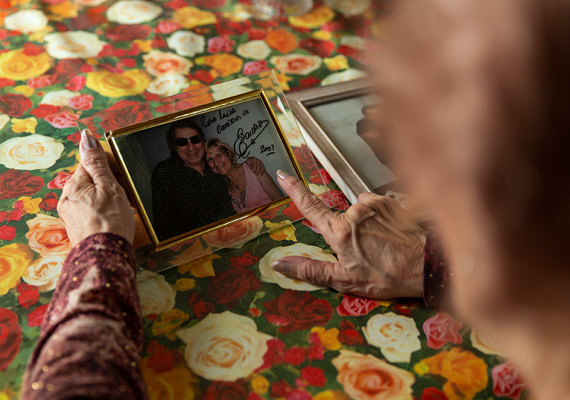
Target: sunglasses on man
x,y
183,141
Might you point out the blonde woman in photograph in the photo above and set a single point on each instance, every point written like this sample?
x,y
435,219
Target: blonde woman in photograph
x,y
247,190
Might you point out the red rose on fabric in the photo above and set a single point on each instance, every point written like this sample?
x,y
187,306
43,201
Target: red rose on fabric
x,y
209,3
76,83
303,155
433,394
230,285
334,198
355,306
14,183
49,203
60,180
314,376
15,215
200,307
256,34
10,337
280,388
506,381
298,311
42,81
349,335
36,317
125,112
225,391
274,354
7,233
255,67
162,359
127,33
32,49
166,26
6,82
222,43
81,102
295,356
299,394
175,4
15,105
43,110
320,177
441,329
28,295
321,48
245,260
204,76
292,212
254,312
68,68
3,215
62,119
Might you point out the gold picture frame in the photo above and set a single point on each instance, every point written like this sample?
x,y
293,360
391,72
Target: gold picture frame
x,y
112,137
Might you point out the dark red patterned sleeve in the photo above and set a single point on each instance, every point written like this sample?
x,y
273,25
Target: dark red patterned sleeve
x,y
91,338
436,274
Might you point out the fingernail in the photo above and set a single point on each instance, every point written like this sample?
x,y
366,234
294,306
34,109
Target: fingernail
x,y
87,139
282,174
282,267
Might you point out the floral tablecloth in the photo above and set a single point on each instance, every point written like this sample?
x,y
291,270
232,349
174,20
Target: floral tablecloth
x,y
217,328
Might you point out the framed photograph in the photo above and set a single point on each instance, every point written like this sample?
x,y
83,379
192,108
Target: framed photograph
x,y
334,121
196,170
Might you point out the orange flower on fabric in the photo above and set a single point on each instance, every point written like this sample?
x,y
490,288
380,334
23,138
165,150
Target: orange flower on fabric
x,y
466,373
19,66
313,19
224,64
236,234
328,337
281,40
14,259
190,17
47,236
177,382
111,84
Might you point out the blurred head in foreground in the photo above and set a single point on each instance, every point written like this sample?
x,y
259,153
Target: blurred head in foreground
x,y
476,96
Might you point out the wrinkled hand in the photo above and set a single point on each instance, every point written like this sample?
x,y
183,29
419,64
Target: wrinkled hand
x,y
379,247
256,166
92,200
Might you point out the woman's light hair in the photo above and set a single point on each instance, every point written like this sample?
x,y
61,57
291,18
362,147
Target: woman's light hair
x,y
224,147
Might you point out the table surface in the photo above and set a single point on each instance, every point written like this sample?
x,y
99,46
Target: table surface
x,y
320,344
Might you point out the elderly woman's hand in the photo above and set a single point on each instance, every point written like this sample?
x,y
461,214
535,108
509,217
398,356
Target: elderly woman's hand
x,y
92,200
379,247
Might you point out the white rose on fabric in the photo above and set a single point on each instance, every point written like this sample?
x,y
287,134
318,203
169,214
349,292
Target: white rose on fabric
x,y
58,98
356,42
255,49
76,44
4,120
483,343
26,21
44,272
349,8
90,3
186,43
30,152
298,249
160,63
167,85
344,76
298,64
130,12
224,347
155,294
396,335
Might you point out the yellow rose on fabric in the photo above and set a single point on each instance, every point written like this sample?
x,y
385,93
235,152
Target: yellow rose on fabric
x,y
224,64
169,321
184,284
144,45
328,337
177,383
259,384
201,267
24,125
14,259
281,231
421,368
322,35
29,205
111,84
190,17
466,373
24,89
19,66
336,63
313,19
63,10
331,395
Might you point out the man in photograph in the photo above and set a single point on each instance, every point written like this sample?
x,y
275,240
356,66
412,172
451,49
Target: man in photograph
x,y
186,193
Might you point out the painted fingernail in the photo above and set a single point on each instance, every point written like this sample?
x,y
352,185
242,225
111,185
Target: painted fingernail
x,y
282,267
87,139
282,174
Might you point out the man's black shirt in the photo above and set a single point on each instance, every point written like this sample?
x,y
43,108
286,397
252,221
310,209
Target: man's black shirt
x,y
184,200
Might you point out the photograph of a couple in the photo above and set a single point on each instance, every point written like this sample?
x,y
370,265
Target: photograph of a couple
x,y
206,168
